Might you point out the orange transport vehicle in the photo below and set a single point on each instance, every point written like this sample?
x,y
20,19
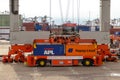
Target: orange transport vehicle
x,y
67,49
70,54
104,50
16,53
58,51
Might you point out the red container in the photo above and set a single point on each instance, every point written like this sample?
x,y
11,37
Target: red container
x,y
112,31
29,26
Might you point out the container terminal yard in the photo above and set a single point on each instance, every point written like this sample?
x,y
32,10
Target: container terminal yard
x,y
44,51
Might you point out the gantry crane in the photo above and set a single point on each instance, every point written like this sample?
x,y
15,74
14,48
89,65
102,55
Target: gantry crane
x,y
22,37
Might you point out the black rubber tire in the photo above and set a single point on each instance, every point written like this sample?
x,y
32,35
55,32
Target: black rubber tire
x,y
15,61
41,63
87,62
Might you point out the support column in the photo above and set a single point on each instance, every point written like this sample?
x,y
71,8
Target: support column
x,y
14,15
105,15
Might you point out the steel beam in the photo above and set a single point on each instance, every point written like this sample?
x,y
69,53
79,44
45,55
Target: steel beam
x,y
22,37
27,37
14,15
105,15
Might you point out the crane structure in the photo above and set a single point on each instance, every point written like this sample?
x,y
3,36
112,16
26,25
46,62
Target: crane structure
x,y
105,15
65,47
23,37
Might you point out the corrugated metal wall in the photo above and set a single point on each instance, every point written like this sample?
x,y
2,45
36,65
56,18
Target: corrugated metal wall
x,y
4,20
4,33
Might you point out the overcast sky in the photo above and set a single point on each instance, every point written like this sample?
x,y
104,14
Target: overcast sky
x,y
89,9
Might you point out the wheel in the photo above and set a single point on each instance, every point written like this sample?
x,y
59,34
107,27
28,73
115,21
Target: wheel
x,y
4,60
22,59
87,62
15,61
41,63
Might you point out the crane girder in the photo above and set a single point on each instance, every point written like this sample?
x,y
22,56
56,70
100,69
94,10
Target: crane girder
x,y
17,36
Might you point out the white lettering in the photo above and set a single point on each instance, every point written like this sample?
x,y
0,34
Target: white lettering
x,y
48,52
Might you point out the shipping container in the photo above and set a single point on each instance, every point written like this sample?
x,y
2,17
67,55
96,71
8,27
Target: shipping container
x,y
4,36
4,20
117,33
97,28
38,27
49,49
80,50
46,28
29,26
4,30
4,33
92,28
83,28
112,31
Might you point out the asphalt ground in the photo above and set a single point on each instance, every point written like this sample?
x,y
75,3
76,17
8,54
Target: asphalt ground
x,y
17,71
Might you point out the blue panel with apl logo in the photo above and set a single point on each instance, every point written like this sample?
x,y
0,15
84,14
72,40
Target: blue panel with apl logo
x,y
49,49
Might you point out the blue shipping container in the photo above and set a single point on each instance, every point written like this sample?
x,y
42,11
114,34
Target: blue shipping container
x,y
97,28
83,28
117,33
38,27
49,50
